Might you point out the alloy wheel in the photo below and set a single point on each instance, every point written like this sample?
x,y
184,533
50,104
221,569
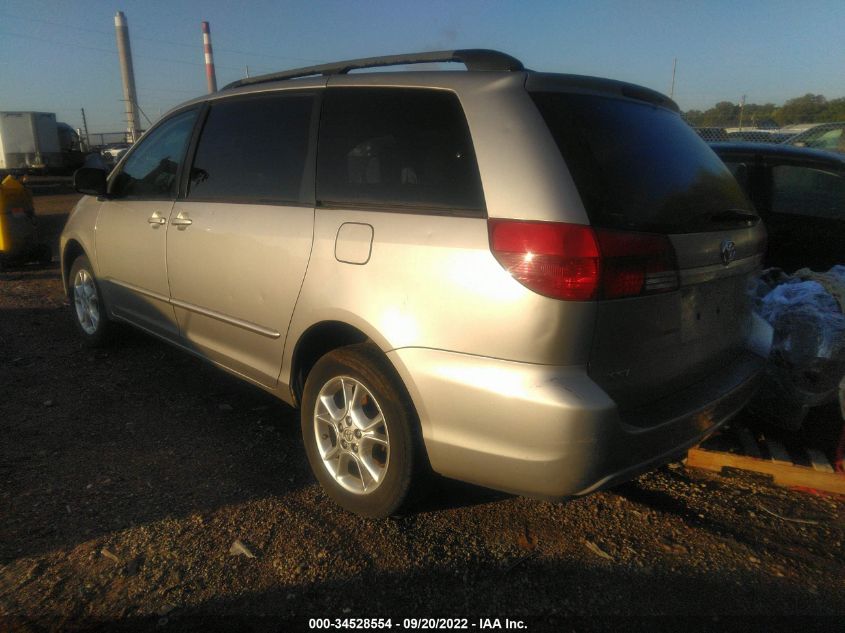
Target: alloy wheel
x,y
351,435
86,301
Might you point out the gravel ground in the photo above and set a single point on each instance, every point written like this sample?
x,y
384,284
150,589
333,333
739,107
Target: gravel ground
x,y
128,474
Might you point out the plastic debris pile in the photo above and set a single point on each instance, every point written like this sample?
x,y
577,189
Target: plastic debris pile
x,y
806,310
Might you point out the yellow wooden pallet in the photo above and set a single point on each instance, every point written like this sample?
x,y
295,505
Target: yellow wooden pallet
x,y
769,457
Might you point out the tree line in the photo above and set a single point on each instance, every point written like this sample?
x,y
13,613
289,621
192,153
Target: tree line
x,y
807,109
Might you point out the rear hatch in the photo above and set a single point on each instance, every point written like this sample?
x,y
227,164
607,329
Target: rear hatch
x,y
640,169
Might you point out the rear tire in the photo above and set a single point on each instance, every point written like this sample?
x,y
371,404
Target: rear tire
x,y
87,306
360,431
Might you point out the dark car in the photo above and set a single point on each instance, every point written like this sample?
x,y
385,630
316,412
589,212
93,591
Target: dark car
x,y
800,194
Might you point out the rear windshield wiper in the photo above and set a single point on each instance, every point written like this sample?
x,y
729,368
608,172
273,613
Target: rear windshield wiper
x,y
737,216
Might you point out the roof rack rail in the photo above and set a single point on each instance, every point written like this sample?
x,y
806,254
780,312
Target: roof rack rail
x,y
472,58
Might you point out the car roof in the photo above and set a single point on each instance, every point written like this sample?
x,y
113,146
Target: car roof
x,y
455,80
484,67
779,151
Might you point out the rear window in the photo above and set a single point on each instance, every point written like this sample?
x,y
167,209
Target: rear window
x,y
640,167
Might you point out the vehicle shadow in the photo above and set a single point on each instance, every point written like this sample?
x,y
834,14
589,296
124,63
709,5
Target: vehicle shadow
x,y
765,504
446,494
548,594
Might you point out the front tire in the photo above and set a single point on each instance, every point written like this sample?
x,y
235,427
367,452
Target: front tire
x,y
360,431
87,305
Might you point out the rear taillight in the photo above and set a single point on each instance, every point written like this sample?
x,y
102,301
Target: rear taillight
x,y
556,260
579,263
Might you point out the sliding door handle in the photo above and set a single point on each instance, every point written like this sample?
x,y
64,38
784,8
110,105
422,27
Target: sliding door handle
x,y
181,220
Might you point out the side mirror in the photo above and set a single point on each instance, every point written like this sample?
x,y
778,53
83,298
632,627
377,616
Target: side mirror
x,y
90,180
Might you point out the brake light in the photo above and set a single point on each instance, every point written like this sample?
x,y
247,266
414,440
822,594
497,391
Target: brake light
x,y
579,263
556,260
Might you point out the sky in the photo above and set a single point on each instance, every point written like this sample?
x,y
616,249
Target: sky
x,y
60,56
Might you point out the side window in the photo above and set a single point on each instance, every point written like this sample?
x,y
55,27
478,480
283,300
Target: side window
x,y
151,171
396,146
254,149
807,191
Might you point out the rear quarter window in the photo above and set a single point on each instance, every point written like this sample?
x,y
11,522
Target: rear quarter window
x,y
397,147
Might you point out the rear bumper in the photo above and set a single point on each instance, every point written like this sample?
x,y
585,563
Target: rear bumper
x,y
551,432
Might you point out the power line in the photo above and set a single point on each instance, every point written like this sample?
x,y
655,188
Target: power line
x,y
296,59
163,41
138,105
112,52
44,39
63,25
168,91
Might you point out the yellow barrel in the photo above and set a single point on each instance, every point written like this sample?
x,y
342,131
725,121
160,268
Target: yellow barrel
x,y
17,218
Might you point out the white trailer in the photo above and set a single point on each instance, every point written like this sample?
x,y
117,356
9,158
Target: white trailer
x,y
29,141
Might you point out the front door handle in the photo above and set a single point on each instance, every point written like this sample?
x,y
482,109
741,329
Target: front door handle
x,y
156,219
180,220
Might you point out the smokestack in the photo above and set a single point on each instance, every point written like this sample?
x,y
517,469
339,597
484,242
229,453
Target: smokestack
x,y
209,58
124,53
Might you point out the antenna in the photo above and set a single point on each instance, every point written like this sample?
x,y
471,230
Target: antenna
x,y
672,88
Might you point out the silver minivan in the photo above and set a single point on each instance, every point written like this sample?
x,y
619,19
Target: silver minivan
x,y
532,282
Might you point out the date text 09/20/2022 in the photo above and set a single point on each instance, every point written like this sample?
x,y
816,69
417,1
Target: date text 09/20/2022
x,y
412,624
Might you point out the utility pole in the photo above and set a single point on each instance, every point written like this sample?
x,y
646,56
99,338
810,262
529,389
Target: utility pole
x,y
741,108
210,75
247,71
672,88
124,53
85,127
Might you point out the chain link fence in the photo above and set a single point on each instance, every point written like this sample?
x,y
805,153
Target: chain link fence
x,y
99,139
826,136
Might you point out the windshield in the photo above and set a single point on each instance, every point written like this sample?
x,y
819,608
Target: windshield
x,y
641,167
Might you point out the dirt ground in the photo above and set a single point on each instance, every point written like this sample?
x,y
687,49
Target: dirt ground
x,y
127,474
59,204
